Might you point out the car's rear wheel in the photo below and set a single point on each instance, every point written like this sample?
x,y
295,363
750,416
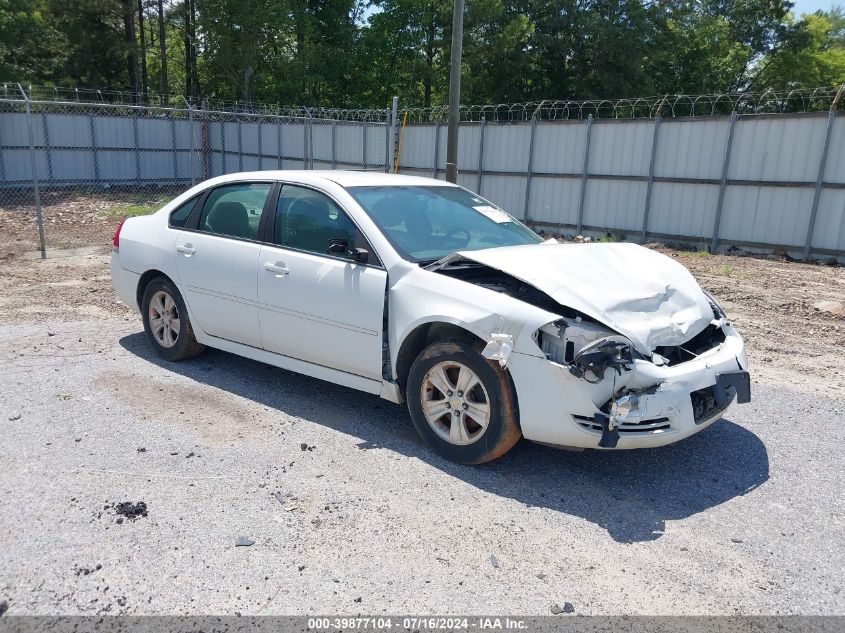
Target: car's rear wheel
x,y
462,404
166,321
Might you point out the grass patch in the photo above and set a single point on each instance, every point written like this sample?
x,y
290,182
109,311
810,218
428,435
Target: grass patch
x,y
608,238
702,254
132,210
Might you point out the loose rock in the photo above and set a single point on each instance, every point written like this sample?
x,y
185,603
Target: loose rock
x,y
243,541
832,307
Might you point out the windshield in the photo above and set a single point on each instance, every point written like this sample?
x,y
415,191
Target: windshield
x,y
427,223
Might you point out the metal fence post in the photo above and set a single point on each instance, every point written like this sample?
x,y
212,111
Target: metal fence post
x,y
434,168
137,142
259,130
481,154
650,185
205,143
172,117
311,142
364,145
94,151
387,128
723,182
240,146
39,217
334,144
529,173
394,132
831,117
46,132
583,193
191,143
279,141
224,154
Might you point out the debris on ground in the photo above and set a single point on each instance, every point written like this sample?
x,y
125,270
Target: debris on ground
x,y
128,510
4,606
557,610
243,541
305,447
494,561
84,571
14,417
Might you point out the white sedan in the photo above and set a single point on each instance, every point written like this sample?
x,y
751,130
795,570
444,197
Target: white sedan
x,y
423,292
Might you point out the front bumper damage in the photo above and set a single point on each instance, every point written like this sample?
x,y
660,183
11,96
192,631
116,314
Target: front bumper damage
x,y
633,403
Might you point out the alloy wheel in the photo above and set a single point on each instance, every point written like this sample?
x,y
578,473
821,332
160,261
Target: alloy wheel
x,y
455,403
164,319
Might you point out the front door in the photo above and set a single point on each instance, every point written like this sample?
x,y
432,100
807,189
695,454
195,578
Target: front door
x,y
321,307
217,262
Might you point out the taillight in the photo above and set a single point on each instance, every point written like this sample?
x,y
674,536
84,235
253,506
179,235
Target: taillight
x,y
116,242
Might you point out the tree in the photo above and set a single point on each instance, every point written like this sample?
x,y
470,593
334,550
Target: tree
x,y
128,15
820,61
162,42
29,45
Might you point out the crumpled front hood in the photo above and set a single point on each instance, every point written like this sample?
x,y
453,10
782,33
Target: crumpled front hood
x,y
644,295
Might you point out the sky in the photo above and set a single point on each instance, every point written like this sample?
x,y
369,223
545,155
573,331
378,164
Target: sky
x,y
811,6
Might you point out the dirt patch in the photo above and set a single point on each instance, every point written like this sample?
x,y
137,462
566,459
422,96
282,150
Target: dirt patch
x,y
774,305
777,305
213,415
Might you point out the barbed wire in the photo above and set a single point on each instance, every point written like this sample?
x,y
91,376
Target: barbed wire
x,y
768,102
679,105
114,97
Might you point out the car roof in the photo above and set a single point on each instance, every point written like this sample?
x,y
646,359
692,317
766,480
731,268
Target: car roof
x,y
342,178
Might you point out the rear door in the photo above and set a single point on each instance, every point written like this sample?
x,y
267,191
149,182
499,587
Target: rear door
x,y
315,306
217,261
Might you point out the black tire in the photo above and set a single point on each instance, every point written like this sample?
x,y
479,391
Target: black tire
x,y
185,344
502,431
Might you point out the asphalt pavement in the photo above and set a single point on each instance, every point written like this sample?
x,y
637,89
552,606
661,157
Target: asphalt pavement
x,y
221,485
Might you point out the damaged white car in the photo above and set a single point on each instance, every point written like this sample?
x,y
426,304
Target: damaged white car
x,y
421,291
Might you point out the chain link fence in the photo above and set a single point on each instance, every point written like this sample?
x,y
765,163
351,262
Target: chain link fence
x,y
68,163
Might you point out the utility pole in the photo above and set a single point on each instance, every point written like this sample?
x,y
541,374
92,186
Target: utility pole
x,y
455,92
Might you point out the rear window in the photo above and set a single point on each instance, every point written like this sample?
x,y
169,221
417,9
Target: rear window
x,y
179,216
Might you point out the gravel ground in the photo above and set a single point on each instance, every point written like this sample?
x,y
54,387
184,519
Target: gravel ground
x,y
348,513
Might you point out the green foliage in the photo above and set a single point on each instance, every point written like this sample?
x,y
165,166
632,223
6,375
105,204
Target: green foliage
x,y
22,21
820,61
351,53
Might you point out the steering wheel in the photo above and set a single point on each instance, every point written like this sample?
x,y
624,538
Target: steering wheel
x,y
453,233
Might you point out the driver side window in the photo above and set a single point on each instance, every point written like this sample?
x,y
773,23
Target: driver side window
x,y
307,220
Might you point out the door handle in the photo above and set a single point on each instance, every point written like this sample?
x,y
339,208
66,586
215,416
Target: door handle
x,y
186,249
278,270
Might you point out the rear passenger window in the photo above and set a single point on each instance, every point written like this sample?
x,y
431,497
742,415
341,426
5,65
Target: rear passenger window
x,y
235,210
180,215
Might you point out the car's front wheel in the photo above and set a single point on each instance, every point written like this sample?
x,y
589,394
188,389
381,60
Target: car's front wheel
x,y
166,321
462,404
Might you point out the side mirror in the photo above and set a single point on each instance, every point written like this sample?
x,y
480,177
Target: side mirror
x,y
362,255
